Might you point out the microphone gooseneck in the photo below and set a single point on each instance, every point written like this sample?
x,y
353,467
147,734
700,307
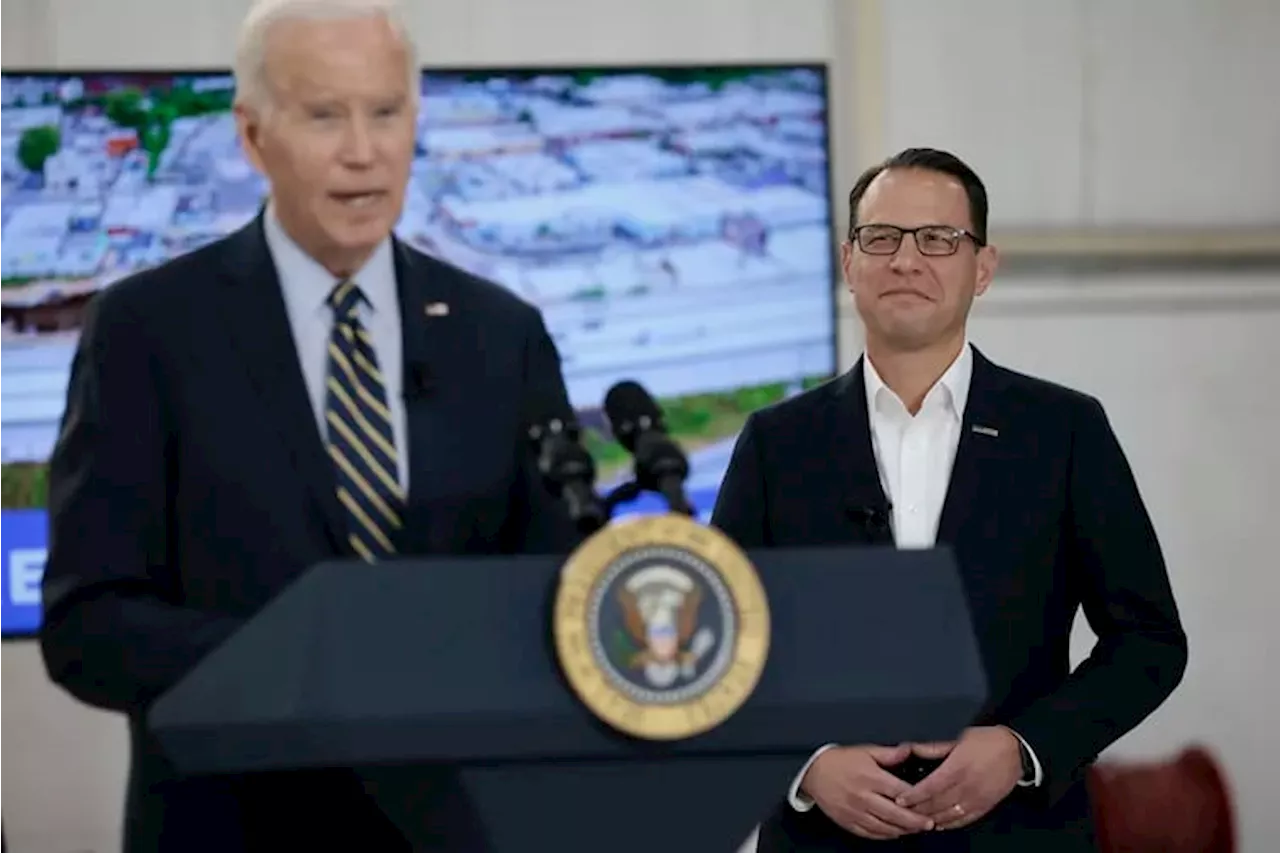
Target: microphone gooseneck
x,y
637,423
567,470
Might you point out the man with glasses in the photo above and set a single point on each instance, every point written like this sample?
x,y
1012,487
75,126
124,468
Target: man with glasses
x,y
925,441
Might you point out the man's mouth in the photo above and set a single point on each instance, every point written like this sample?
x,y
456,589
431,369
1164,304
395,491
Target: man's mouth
x,y
358,199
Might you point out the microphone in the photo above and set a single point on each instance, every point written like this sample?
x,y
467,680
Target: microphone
x,y
419,381
875,520
567,469
637,424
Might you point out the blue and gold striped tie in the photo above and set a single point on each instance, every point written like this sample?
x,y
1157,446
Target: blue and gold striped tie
x,y
361,441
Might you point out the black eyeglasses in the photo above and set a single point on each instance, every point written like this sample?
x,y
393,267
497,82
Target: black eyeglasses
x,y
932,240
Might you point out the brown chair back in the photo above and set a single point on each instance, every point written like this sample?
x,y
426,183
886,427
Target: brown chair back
x,y
1178,806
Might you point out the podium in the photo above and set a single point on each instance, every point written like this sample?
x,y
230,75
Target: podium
x,y
437,678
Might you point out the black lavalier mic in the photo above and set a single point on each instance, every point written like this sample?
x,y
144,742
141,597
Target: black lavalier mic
x,y
420,382
874,520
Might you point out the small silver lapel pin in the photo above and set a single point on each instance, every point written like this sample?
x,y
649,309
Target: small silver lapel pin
x,y
986,430
436,309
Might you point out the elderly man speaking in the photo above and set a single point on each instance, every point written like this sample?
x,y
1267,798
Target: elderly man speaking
x,y
308,388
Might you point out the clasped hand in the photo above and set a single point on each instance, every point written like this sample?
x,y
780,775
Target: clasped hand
x,y
853,788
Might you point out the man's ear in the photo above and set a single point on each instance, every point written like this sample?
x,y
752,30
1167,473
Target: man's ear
x,y
988,261
249,129
846,264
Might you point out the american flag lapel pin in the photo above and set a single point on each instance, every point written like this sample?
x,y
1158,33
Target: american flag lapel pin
x,y
436,309
986,430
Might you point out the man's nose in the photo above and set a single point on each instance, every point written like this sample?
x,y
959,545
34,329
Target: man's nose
x,y
357,149
908,256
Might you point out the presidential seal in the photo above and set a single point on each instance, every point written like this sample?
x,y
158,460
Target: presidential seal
x,y
661,626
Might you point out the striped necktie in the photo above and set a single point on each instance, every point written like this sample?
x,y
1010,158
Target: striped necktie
x,y
361,440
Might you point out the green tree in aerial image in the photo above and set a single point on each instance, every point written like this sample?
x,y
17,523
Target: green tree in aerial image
x,y
38,144
152,114
25,485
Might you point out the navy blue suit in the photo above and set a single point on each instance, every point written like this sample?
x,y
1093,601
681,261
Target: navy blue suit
x,y
190,485
1045,519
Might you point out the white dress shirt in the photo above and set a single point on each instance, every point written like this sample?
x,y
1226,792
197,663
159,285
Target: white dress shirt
x,y
306,286
914,454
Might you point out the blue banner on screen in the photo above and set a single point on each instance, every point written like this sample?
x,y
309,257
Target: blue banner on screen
x,y
673,225
23,534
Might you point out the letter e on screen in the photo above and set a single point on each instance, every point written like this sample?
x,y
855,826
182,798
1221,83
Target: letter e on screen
x,y
26,568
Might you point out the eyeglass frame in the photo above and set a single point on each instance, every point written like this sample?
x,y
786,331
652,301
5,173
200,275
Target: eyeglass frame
x,y
960,233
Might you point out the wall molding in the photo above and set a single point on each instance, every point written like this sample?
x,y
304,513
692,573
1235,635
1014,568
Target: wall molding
x,y
1138,294
856,64
861,24
1128,250
1133,294
1215,242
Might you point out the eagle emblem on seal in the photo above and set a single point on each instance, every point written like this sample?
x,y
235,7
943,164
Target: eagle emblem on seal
x,y
660,605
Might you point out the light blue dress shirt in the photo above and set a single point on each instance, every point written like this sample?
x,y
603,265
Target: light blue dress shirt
x,y
306,286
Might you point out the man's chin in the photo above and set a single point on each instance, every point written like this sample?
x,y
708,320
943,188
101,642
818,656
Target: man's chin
x,y
358,227
348,249
908,337
356,237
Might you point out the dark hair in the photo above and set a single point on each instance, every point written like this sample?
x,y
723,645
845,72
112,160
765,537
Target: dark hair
x,y
936,161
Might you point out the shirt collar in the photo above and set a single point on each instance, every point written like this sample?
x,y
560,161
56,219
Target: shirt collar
x,y
304,278
951,389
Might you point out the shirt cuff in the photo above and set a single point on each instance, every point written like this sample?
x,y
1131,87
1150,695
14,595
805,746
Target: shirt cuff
x,y
1038,776
799,800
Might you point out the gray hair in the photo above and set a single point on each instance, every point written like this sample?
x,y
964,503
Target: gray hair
x,y
252,87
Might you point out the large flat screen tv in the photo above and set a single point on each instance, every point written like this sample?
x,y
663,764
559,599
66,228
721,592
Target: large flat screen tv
x,y
673,224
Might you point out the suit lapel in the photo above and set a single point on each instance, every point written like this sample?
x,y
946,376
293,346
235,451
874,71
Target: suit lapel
x,y
866,508
429,319
255,317
984,445
434,339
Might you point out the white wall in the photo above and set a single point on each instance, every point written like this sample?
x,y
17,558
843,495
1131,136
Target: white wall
x,y
1095,112
1185,365
1080,114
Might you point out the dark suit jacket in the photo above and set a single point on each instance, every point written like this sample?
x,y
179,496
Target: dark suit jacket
x,y
1044,518
190,485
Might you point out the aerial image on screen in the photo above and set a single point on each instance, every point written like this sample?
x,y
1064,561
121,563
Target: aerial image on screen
x,y
672,225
